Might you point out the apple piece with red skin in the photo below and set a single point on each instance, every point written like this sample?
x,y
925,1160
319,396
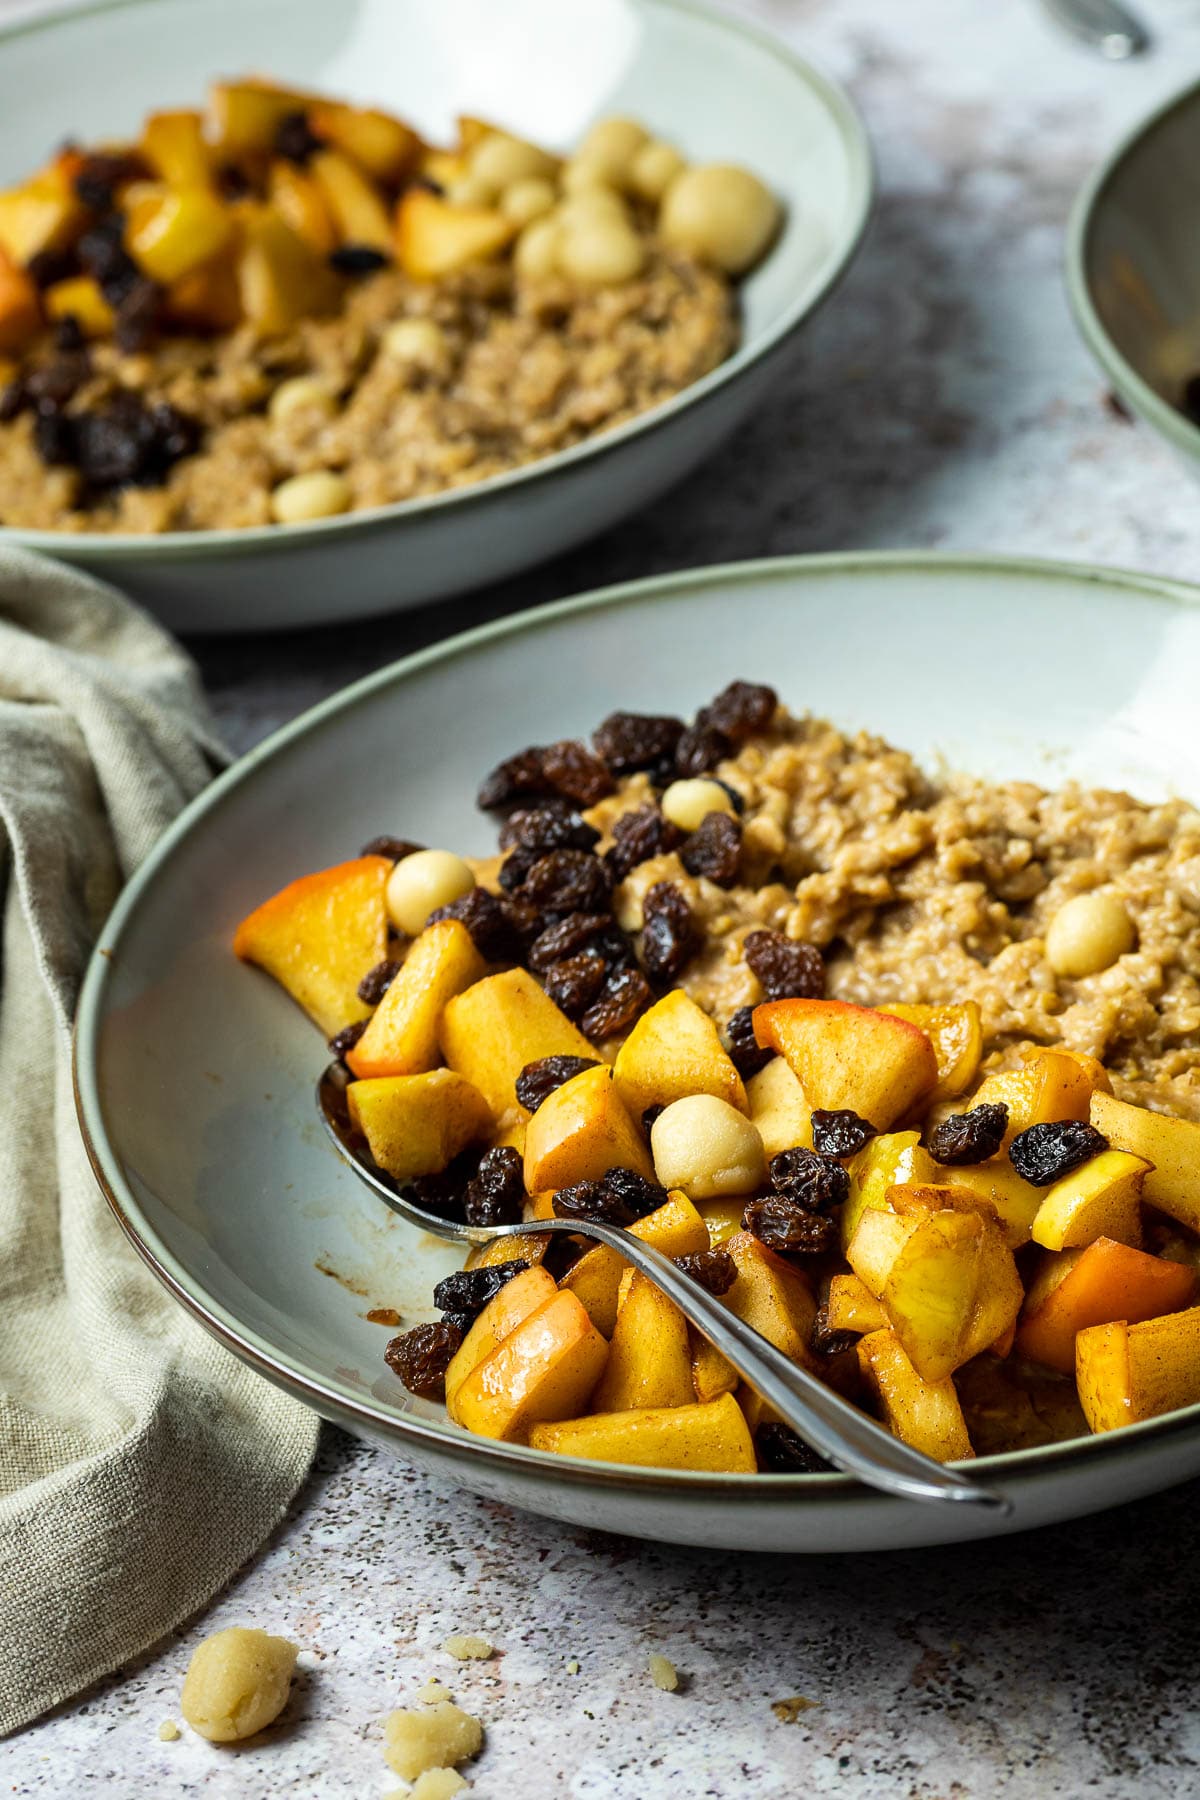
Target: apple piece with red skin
x,y
875,1064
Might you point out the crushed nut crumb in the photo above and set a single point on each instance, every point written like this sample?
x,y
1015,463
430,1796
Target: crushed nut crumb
x,y
438,1784
572,1668
789,1710
663,1673
469,1648
435,1738
432,1693
168,1731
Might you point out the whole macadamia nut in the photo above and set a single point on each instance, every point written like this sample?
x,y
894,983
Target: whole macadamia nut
x,y
1088,933
237,1682
422,882
707,1147
720,213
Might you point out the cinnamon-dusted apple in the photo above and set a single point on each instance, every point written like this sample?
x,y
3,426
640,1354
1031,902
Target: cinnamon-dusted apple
x,y
402,1035
433,238
843,1056
545,1369
675,1049
498,1026
416,1124
711,1437
320,935
580,1132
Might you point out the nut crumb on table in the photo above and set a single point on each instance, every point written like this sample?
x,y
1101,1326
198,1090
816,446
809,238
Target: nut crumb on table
x,y
433,1738
468,1647
663,1673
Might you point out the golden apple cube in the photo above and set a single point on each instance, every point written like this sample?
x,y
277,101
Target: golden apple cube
x,y
580,1132
402,1035
524,1246
79,297
773,1298
353,199
174,145
502,1314
434,238
245,116
416,1124
1126,1373
281,278
547,1368
299,201
713,1437
42,214
952,1290
20,309
1014,1201
675,1228
712,1372
956,1033
852,1306
722,1213
878,1240
649,1353
877,1065
926,1414
1171,1146
1101,1199
320,935
171,234
376,141
498,1025
1050,1085
778,1109
894,1158
674,1050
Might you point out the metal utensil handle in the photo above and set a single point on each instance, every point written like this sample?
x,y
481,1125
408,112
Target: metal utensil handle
x,y
1104,24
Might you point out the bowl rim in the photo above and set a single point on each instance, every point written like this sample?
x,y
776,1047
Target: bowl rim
x,y
1166,419
254,540
370,1417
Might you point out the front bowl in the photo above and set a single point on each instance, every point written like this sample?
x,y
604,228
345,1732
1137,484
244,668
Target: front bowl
x,y
195,1077
544,69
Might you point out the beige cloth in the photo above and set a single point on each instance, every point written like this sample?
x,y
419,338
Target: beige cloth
x,y
140,1463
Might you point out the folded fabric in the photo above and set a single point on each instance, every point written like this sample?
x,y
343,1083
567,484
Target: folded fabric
x,y
140,1463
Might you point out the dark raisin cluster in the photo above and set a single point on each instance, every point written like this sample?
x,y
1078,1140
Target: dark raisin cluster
x,y
714,1269
782,1451
839,1132
785,968
420,1357
969,1137
746,1053
1046,1153
620,1197
538,1080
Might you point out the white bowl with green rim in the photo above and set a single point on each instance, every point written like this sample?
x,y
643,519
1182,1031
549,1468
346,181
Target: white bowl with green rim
x,y
195,1074
720,89
1133,268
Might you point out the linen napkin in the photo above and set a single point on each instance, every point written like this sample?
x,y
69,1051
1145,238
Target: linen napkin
x,y
140,1463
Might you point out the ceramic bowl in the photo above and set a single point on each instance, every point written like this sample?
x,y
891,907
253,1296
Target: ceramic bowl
x,y
195,1074
1133,268
545,69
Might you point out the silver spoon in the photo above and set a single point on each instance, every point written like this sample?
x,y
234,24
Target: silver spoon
x,y
1104,24
847,1437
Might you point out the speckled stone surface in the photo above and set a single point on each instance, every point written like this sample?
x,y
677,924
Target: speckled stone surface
x,y
942,400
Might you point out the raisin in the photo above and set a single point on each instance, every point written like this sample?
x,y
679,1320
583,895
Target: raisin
x,y
469,1290
826,1342
458,1321
68,335
101,251
714,849
715,1269
393,847
234,183
496,1192
139,314
1045,1153
54,438
420,1357
295,139
13,400
442,1194
700,749
786,969
629,741
745,1051
565,881
56,382
126,443
1189,399
515,868
344,1041
670,935
782,1451
840,1132
552,825
788,1228
969,1137
574,983
809,1180
538,1080
516,776
376,982
101,173
488,921
47,267
625,995
579,931
638,1195
566,768
741,709
650,1114
591,1200
639,835
357,259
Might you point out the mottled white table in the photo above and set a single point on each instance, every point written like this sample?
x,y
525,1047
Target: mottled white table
x,y
941,400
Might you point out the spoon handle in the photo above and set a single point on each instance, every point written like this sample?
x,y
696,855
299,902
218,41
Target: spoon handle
x,y
1106,25
850,1440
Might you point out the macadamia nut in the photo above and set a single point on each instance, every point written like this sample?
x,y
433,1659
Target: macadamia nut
x,y
687,803
422,882
707,1147
611,146
437,1737
600,252
498,160
1088,933
317,494
418,342
303,393
654,168
722,214
236,1683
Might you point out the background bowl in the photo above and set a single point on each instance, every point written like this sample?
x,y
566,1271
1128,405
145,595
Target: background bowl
x,y
195,1074
1133,267
717,88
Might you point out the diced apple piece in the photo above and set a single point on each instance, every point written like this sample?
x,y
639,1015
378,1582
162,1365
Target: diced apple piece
x,y
244,116
173,143
20,311
712,1437
1015,1201
299,201
926,1414
723,1215
320,935
580,1132
530,1247
675,1228
42,214
434,238
952,1290
170,235
925,1197
545,1369
1171,1146
443,167
1126,1373
877,1065
1101,1199
1050,1085
878,1240
377,142
674,1050
712,1372
1104,1282
649,1353
416,1124
778,1109
492,1030
79,298
207,299
852,1306
502,1314
956,1033
887,1161
281,279
353,199
772,1297
402,1035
